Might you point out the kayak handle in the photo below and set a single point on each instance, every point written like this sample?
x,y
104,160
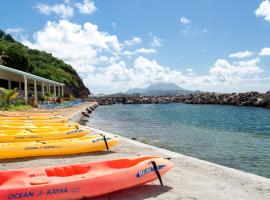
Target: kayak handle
x,y
157,172
105,140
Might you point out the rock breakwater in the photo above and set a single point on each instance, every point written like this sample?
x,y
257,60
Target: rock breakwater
x,y
237,99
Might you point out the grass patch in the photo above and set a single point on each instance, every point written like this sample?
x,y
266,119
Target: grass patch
x,y
18,107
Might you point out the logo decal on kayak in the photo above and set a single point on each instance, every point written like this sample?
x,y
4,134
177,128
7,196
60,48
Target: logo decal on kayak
x,y
148,170
74,131
47,147
100,139
21,195
40,194
57,191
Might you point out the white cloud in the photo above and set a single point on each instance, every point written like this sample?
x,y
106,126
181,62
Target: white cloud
x,y
119,77
14,30
190,72
87,7
225,76
264,52
59,9
264,10
133,41
81,46
226,69
145,51
128,53
155,41
17,33
241,54
222,77
101,60
185,20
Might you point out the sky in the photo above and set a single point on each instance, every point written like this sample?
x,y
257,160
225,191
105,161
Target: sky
x,y
114,45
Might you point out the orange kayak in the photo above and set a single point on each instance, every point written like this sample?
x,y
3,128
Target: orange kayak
x,y
81,180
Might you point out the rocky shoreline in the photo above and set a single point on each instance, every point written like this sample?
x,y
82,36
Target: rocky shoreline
x,y
238,99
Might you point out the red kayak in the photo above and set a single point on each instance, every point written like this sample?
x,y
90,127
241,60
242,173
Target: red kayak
x,y
81,180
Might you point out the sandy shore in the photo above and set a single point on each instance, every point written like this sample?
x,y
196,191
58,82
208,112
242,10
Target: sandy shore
x,y
190,178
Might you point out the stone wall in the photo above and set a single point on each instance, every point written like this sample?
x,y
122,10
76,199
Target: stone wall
x,y
238,99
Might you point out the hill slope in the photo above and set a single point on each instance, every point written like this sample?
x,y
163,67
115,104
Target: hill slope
x,y
15,55
159,89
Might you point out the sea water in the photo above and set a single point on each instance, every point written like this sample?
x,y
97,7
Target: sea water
x,y
233,136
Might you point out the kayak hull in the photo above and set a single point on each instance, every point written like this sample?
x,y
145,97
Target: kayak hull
x,y
19,126
28,135
89,143
27,114
41,130
81,180
19,118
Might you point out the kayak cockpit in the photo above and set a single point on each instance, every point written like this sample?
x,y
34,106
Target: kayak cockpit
x,y
64,171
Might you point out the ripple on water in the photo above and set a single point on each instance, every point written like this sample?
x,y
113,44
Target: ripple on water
x,y
237,137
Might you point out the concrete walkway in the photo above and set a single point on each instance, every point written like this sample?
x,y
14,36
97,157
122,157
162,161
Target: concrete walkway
x,y
190,179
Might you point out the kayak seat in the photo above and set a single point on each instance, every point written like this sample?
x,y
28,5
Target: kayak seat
x,y
13,178
126,163
67,170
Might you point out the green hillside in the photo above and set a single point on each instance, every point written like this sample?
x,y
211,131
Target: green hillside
x,y
15,55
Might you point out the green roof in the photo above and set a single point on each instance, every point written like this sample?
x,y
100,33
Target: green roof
x,y
28,75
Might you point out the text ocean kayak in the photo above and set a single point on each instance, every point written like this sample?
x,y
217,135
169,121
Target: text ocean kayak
x,y
81,180
28,135
89,143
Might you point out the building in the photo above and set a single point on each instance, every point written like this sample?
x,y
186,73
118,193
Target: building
x,y
29,84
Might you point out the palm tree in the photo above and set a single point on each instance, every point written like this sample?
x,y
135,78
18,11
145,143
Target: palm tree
x,y
7,95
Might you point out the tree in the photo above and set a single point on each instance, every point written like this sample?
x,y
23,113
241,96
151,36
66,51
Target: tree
x,y
2,56
18,58
6,96
9,38
5,36
2,34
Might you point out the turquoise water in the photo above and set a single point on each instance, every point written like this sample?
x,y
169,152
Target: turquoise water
x,y
237,137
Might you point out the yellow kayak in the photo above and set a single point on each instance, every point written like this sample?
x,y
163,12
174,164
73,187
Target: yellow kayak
x,y
19,118
42,130
18,126
27,114
28,135
33,121
89,143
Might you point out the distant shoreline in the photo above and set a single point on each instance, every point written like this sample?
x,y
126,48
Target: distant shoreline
x,y
255,99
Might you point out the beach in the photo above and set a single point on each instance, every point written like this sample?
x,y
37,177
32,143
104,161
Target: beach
x,y
190,178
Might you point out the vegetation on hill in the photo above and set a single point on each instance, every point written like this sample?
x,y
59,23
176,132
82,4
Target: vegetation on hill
x,y
15,55
159,89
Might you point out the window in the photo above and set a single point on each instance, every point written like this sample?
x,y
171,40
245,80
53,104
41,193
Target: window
x,y
31,87
14,84
4,83
39,88
22,86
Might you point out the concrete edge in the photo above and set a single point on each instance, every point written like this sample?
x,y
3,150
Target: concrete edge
x,y
75,117
78,115
172,154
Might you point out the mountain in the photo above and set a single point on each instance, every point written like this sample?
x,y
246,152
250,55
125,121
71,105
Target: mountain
x,y
159,89
15,55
